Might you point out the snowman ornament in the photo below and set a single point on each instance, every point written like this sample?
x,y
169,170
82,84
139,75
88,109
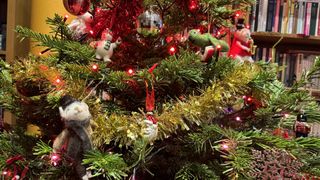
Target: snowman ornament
x,y
104,47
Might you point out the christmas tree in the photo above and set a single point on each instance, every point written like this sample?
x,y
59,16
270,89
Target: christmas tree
x,y
146,89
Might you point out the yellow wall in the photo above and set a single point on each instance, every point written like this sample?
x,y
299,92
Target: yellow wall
x,y
40,10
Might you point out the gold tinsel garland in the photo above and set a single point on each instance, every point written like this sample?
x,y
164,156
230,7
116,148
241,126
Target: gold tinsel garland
x,y
198,109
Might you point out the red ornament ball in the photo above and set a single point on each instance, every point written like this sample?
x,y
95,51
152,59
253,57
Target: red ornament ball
x,y
76,7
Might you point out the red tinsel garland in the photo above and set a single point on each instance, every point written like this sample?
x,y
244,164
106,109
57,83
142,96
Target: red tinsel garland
x,y
120,19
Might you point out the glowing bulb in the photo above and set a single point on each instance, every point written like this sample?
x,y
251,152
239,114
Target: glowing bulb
x,y
244,97
238,118
286,115
249,99
4,173
237,14
218,32
58,80
248,26
91,32
98,10
193,5
130,71
225,146
172,50
218,46
54,157
94,67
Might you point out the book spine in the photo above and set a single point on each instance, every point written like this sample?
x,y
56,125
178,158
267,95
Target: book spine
x,y
252,17
317,21
270,15
256,21
285,14
307,19
313,20
295,17
262,15
280,16
290,17
264,54
276,17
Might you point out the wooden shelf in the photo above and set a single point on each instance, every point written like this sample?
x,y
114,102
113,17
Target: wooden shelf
x,y
290,42
2,52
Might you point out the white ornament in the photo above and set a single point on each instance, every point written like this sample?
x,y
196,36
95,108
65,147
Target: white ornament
x,y
149,130
104,47
81,25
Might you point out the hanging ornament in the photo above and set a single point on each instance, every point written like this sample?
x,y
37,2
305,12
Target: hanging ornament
x,y
76,7
149,23
301,127
104,47
209,45
150,126
242,47
81,25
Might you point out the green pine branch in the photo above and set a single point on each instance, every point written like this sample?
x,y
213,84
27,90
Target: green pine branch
x,y
196,171
110,166
70,51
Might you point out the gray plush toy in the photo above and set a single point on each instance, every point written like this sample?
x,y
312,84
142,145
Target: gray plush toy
x,y
74,140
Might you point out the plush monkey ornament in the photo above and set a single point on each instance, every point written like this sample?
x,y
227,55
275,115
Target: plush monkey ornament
x,y
74,140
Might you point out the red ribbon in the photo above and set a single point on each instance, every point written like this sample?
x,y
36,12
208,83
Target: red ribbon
x,y
150,97
12,161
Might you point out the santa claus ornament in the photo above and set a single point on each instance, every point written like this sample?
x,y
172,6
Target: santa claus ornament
x,y
242,47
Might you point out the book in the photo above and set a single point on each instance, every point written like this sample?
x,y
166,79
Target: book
x,y
270,14
290,16
295,17
276,16
313,20
307,19
256,19
285,15
252,18
280,16
317,21
262,23
301,15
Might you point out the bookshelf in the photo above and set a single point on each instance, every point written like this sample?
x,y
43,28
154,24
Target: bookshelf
x,y
13,13
295,25
290,42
